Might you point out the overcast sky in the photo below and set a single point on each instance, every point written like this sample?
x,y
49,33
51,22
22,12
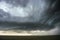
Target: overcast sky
x,y
23,11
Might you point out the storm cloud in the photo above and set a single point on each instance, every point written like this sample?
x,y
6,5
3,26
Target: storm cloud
x,y
15,12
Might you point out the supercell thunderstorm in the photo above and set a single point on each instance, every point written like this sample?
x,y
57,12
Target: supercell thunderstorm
x,y
13,11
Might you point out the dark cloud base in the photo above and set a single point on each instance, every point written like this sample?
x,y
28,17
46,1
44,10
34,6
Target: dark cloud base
x,y
24,26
